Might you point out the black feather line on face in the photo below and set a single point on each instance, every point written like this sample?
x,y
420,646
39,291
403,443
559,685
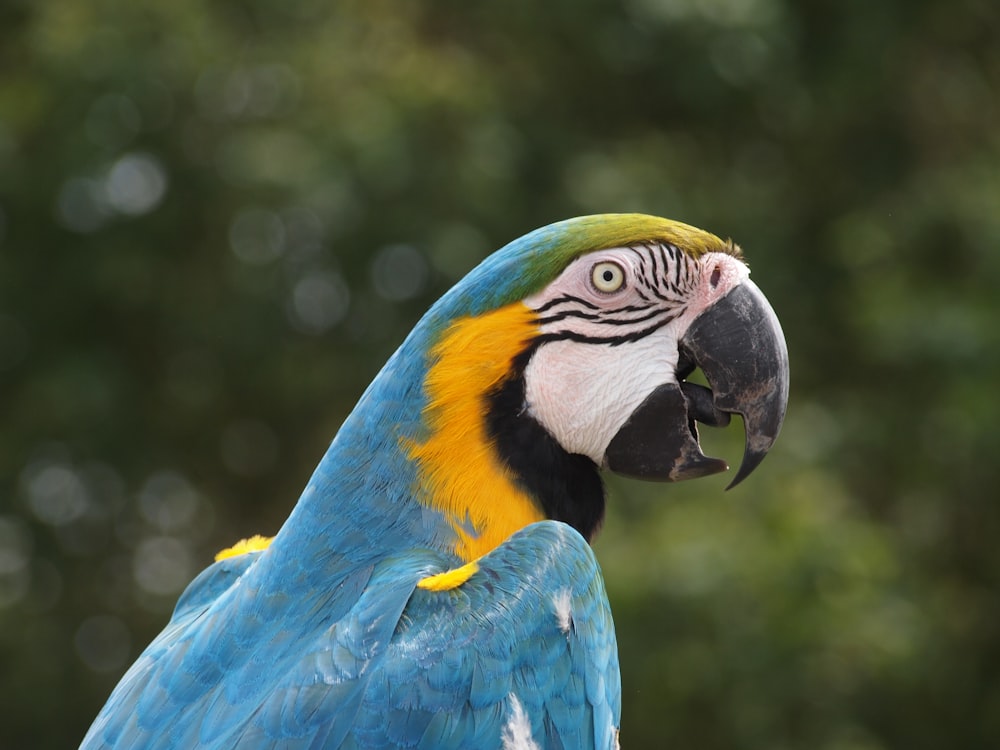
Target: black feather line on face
x,y
605,317
613,340
567,486
564,299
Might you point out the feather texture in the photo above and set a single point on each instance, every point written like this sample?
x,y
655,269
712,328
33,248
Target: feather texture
x,y
325,637
403,667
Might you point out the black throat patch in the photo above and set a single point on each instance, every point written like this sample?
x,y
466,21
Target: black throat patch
x,y
566,486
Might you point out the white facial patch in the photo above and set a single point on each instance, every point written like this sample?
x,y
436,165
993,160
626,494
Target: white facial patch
x,y
613,319
583,393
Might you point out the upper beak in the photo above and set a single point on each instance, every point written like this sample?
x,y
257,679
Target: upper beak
x,y
739,346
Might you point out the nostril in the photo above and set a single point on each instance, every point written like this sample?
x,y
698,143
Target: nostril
x,y
716,277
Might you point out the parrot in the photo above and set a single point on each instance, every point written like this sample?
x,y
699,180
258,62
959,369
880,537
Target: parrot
x,y
434,585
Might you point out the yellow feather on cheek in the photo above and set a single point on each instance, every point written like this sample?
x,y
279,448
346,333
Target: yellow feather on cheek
x,y
460,472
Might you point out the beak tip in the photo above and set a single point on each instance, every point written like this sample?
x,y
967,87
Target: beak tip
x,y
751,460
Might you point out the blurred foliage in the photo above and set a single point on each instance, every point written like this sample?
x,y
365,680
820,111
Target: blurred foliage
x,y
217,219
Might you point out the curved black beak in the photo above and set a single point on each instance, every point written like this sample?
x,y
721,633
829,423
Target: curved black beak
x,y
739,346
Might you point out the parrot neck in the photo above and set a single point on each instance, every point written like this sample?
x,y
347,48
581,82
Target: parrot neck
x,y
568,486
461,473
439,454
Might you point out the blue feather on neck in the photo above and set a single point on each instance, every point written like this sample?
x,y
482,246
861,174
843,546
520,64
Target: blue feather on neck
x,y
358,505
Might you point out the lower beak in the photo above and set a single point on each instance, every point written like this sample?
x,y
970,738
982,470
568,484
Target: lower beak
x,y
738,345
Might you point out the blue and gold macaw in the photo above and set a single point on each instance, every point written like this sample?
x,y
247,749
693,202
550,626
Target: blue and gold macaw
x,y
434,586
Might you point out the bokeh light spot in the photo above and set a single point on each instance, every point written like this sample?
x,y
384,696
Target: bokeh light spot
x,y
136,184
81,205
103,643
739,57
319,301
162,565
257,236
253,92
168,501
113,121
56,494
399,273
15,554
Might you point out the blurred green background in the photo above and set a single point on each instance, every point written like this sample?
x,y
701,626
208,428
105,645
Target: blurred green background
x,y
217,219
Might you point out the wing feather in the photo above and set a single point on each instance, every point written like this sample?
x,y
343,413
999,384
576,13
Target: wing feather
x,y
500,635
523,648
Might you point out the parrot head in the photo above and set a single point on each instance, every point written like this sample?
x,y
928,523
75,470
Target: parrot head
x,y
567,352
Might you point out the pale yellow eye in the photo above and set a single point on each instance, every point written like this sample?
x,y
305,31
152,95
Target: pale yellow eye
x,y
607,277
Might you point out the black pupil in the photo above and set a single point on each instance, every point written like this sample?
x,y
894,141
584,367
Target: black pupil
x,y
608,275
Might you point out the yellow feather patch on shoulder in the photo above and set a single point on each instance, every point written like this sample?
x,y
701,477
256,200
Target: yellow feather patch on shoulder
x,y
256,543
460,472
450,579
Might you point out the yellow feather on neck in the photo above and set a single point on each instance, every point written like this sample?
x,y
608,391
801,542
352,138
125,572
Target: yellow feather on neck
x,y
256,543
460,471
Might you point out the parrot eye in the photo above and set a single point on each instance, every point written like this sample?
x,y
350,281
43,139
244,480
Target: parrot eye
x,y
607,277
